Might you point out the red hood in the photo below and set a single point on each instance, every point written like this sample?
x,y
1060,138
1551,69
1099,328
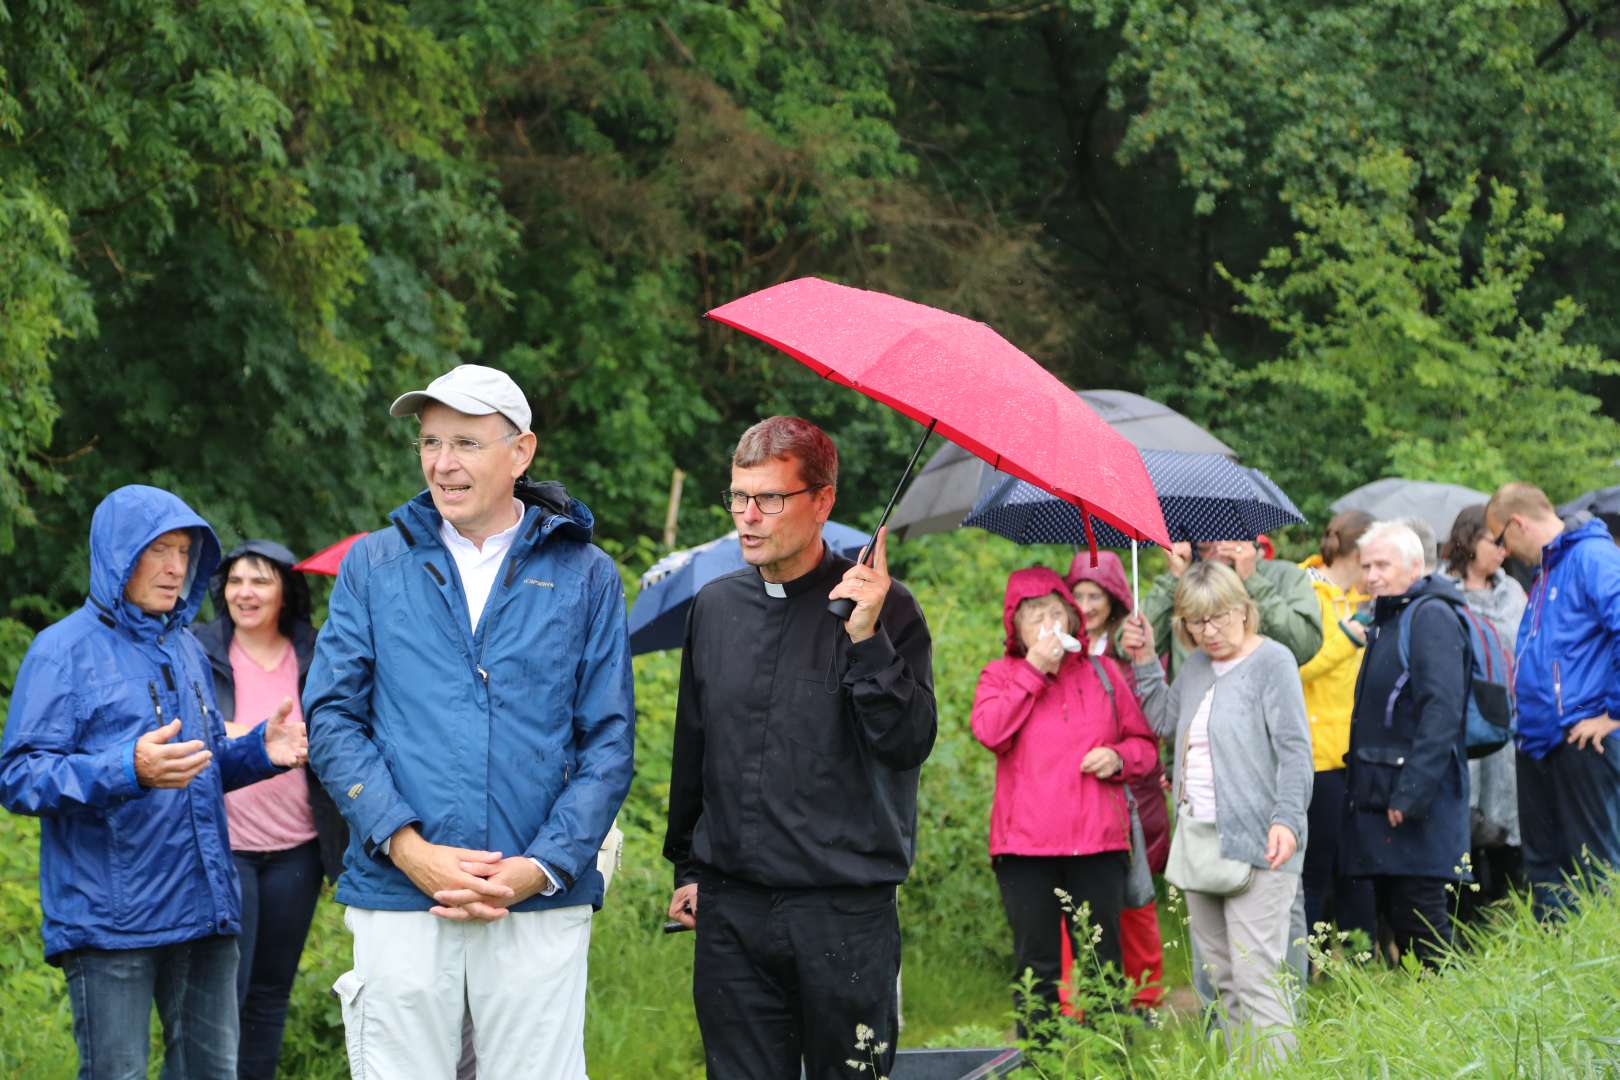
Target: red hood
x,y
1029,582
1108,575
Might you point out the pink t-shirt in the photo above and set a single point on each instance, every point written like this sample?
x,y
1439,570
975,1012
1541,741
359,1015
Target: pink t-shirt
x,y
274,814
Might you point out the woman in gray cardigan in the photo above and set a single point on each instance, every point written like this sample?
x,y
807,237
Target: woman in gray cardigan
x,y
1243,761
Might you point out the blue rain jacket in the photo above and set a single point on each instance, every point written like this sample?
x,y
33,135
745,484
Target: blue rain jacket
x,y
122,866
1568,655
518,739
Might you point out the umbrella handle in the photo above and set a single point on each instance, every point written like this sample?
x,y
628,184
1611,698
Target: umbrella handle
x,y
843,607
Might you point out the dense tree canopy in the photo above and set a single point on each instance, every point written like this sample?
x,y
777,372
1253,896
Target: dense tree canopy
x,y
234,230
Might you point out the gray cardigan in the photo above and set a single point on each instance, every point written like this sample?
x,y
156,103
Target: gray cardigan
x,y
1260,741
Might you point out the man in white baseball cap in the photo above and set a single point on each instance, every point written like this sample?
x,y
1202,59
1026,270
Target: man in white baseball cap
x,y
471,698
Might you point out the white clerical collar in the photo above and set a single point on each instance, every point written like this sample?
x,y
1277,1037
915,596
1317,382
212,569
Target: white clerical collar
x,y
774,588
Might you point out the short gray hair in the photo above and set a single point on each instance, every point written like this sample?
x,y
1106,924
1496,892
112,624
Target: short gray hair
x,y
1398,535
1425,534
779,437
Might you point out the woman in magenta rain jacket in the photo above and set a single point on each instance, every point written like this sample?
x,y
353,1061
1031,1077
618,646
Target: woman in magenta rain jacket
x,y
1064,750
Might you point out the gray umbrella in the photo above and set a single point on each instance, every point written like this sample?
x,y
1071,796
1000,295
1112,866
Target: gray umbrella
x,y
1394,497
1604,501
949,486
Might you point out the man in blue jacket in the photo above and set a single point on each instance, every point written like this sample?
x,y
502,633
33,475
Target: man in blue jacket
x,y
113,741
1567,685
471,713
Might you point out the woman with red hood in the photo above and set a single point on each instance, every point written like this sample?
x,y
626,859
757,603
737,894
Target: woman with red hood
x,y
1105,600
1064,749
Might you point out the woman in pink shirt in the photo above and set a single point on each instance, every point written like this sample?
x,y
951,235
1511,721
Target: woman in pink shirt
x,y
1064,750
285,831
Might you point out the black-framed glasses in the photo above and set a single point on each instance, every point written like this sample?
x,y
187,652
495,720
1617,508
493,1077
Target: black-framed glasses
x,y
1217,622
769,502
1500,539
429,446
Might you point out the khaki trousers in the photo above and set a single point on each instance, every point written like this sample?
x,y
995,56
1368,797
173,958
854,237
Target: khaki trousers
x,y
1243,940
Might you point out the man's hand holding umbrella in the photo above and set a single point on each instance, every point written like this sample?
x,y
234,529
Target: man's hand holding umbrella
x,y
866,586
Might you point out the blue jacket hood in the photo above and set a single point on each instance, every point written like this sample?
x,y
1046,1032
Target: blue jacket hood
x,y
1589,531
125,524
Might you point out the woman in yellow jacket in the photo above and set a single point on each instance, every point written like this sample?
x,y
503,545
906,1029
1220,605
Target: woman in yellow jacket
x,y
1330,693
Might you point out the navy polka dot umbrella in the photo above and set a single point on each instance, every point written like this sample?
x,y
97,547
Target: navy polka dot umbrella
x,y
1203,496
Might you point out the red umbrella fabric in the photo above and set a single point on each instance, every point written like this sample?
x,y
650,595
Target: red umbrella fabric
x,y
327,560
978,390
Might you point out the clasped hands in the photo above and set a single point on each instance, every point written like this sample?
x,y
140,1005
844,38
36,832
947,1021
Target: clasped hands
x,y
465,884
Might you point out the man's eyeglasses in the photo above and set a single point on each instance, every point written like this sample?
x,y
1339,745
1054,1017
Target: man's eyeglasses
x,y
769,502
429,446
1218,621
1500,539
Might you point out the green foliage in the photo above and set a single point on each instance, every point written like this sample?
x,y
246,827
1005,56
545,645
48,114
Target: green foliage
x,y
1414,328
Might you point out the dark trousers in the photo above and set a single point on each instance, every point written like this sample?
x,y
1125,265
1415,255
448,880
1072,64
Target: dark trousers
x,y
279,891
1330,896
1029,885
1569,819
784,974
1417,912
112,992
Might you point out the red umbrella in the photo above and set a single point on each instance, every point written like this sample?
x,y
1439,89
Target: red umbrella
x,y
964,380
327,560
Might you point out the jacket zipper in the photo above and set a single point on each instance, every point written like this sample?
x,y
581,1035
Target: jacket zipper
x,y
1558,688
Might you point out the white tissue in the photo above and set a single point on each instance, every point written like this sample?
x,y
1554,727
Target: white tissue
x,y
1068,643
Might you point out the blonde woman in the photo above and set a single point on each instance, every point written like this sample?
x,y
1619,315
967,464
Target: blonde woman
x,y
1243,763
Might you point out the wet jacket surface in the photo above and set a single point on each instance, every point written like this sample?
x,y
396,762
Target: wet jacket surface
x,y
1330,675
1041,727
123,866
797,752
1418,763
1568,650
518,738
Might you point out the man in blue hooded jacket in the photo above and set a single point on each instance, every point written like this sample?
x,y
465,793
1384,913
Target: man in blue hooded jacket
x,y
1567,686
113,741
471,713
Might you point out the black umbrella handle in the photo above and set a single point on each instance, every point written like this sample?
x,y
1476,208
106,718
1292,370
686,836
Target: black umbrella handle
x,y
843,607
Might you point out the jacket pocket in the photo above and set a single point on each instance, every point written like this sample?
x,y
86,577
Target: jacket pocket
x,y
1374,772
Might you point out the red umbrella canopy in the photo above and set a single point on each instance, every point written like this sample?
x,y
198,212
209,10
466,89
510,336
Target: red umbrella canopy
x,y
327,560
979,390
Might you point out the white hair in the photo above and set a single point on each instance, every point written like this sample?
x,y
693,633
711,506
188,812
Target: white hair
x,y
1398,535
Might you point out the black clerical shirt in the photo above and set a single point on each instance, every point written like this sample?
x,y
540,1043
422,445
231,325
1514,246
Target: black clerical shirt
x,y
796,751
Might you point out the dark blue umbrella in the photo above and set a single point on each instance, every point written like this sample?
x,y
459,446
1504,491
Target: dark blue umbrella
x,y
658,617
1203,496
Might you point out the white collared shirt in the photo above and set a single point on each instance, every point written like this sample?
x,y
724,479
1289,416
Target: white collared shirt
x,y
478,567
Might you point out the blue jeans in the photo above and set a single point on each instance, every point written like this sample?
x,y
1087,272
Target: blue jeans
x,y
113,990
1569,819
279,891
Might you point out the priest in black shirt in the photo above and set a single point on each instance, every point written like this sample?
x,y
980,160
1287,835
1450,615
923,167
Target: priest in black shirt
x,y
793,791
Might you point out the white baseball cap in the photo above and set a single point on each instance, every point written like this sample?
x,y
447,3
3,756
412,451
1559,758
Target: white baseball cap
x,y
472,389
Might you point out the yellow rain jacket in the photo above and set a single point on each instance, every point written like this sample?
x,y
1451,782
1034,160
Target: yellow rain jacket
x,y
1330,675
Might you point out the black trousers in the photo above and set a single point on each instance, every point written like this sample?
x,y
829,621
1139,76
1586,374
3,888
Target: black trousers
x,y
1569,819
1330,896
1417,912
784,974
1029,885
